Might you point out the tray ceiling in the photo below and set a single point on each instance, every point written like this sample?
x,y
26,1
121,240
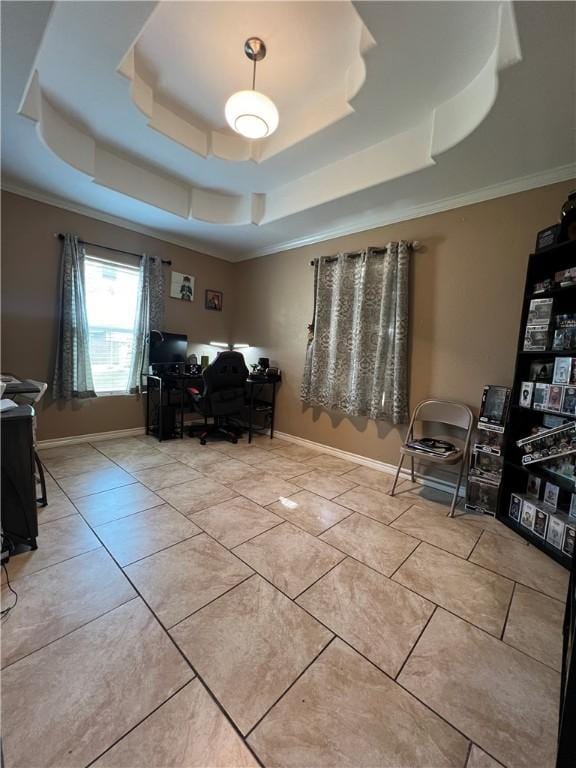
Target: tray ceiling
x,y
128,97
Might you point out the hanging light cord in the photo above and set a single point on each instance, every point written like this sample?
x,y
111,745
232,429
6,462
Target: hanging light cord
x,y
254,76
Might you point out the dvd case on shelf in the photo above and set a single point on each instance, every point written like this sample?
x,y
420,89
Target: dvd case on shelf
x,y
555,395
487,465
515,508
528,514
569,401
481,495
540,312
540,402
526,389
541,519
541,370
551,493
569,539
533,486
562,370
555,533
536,338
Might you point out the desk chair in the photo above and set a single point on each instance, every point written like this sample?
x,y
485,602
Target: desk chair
x,y
439,412
33,399
223,396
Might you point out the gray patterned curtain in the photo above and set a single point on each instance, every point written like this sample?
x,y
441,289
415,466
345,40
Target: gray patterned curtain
x,y
149,315
356,361
72,372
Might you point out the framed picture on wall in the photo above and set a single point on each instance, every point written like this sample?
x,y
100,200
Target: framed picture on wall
x,y
181,286
213,300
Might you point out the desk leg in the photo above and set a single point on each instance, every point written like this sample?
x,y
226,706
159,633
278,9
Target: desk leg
x,y
181,410
160,409
147,409
250,413
273,410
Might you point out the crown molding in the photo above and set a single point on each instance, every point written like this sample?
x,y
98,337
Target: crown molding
x,y
381,218
353,226
85,210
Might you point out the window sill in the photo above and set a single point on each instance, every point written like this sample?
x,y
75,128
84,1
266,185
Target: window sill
x,y
115,394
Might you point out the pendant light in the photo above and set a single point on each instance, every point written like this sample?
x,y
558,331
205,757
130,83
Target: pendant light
x,y
251,113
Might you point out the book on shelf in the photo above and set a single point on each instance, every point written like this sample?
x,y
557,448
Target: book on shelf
x,y
551,493
541,518
555,533
515,507
528,514
569,540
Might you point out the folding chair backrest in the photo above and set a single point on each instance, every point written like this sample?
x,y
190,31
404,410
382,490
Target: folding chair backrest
x,y
444,412
35,397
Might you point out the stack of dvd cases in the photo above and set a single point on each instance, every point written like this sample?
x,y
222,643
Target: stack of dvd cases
x,y
486,457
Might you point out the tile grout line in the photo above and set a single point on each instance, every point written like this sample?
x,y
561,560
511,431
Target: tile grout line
x,y
512,593
182,654
71,631
213,600
355,650
292,684
133,728
428,620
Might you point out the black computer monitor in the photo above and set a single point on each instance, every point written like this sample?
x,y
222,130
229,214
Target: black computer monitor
x,y
168,348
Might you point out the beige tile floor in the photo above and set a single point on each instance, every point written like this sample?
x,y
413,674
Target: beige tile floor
x,y
232,605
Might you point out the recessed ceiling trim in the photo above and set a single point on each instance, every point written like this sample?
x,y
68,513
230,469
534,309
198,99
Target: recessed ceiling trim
x,y
331,107
353,226
382,218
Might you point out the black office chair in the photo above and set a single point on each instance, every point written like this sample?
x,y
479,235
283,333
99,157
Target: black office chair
x,y
223,396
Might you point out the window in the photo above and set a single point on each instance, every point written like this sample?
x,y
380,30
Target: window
x,y
111,304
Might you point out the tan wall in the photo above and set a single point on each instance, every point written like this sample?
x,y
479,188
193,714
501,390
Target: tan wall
x,y
30,274
466,290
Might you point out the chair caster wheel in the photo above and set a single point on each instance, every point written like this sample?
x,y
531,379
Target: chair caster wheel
x,y
234,440
202,442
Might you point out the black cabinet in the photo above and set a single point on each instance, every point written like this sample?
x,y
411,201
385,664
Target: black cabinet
x,y
19,517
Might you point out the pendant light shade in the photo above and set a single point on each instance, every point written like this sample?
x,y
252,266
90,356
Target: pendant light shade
x,y
251,114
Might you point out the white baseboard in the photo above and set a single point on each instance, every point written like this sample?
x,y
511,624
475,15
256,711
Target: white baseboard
x,y
116,433
381,466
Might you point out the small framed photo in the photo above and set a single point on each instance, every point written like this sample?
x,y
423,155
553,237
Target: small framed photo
x,y
541,522
213,300
526,390
551,492
555,534
533,486
515,507
528,514
181,286
569,540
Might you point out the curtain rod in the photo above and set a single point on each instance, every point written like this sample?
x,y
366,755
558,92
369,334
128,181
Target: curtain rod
x,y
108,248
414,246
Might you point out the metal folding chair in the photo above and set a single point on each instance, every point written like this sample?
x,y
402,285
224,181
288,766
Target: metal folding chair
x,y
439,412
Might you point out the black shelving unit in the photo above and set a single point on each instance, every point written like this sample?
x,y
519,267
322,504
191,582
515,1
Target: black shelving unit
x,y
521,421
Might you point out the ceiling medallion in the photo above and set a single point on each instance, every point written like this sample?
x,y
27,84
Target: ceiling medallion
x,y
251,113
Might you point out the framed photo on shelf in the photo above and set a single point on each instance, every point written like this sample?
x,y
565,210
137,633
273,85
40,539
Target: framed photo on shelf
x,y
213,300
